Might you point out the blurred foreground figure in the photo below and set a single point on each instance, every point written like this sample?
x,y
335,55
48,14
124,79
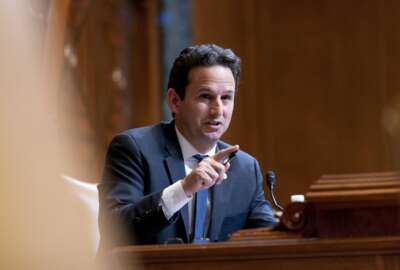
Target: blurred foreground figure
x,y
43,225
177,181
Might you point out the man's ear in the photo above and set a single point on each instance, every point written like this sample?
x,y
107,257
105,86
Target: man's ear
x,y
173,100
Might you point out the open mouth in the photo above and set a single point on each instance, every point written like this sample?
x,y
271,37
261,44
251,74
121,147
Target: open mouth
x,y
214,124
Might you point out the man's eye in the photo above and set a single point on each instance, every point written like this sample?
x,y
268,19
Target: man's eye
x,y
227,97
205,96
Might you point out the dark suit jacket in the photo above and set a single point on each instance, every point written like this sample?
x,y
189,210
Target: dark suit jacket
x,y
141,162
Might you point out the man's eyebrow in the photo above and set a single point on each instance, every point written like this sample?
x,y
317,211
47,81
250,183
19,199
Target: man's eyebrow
x,y
229,92
209,90
204,89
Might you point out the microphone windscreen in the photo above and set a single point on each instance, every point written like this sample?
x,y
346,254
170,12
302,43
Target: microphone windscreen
x,y
270,178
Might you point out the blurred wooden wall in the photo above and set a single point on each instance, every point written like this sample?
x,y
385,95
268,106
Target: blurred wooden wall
x,y
316,78
110,77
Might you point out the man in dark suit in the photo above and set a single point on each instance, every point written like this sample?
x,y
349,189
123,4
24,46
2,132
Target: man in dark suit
x,y
155,182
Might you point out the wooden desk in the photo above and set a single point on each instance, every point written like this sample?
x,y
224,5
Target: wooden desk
x,y
289,253
348,222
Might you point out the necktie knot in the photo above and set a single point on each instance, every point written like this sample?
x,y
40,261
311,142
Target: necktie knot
x,y
200,157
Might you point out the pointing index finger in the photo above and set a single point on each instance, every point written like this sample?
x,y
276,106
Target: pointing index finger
x,y
224,153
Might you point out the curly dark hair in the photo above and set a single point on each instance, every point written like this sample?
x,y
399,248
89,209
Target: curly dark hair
x,y
201,55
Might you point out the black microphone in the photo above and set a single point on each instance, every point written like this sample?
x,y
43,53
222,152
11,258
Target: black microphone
x,y
270,182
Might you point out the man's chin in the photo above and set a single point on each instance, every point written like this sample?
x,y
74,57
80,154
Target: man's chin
x,y
213,136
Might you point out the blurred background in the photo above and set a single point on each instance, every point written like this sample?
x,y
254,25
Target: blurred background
x,y
319,92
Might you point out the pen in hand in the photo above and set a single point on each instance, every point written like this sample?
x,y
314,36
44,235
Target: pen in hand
x,y
229,159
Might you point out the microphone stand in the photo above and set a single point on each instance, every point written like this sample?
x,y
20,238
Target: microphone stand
x,y
270,178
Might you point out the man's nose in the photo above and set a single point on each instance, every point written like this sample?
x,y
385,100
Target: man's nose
x,y
216,107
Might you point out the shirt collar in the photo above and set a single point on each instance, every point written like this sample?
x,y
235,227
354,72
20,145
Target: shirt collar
x,y
188,150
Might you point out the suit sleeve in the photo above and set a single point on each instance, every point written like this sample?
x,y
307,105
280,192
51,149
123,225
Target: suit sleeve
x,y
124,207
260,211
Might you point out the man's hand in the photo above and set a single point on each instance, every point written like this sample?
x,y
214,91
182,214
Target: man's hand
x,y
209,172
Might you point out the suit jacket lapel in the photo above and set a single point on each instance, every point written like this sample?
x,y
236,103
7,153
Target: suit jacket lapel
x,y
217,211
175,166
219,198
173,158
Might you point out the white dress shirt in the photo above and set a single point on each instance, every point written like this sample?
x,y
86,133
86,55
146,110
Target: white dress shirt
x,y
174,197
